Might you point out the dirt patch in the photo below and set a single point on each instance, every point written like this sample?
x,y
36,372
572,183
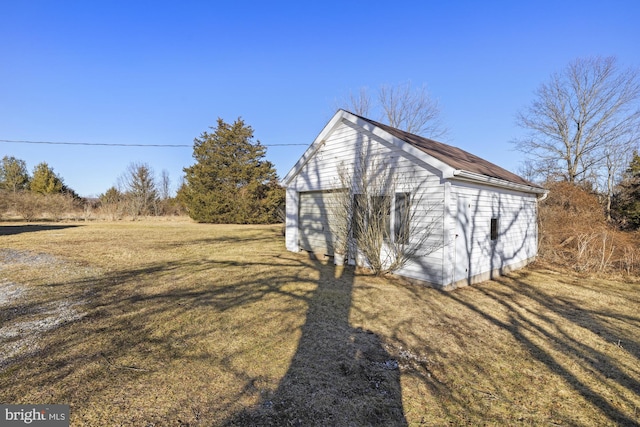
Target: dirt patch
x,y
9,292
12,257
23,321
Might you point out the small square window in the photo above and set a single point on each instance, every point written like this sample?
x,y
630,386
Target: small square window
x,y
494,228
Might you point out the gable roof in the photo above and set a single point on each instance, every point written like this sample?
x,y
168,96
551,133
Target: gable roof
x,y
463,165
452,156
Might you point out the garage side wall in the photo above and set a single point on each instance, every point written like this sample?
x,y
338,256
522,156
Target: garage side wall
x,y
291,220
478,252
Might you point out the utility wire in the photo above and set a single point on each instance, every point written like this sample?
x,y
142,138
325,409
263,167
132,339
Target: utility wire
x,y
92,144
121,145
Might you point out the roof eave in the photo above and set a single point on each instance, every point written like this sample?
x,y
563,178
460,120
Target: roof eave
x,y
446,170
315,146
497,182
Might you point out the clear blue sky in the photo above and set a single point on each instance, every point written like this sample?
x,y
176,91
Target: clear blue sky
x,y
160,72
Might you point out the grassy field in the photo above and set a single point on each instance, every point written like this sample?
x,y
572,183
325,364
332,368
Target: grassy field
x,y
175,323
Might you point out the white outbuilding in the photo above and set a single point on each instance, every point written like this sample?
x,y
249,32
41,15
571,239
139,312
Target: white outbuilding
x,y
481,219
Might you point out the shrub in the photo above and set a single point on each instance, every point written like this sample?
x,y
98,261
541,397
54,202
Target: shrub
x,y
574,233
28,205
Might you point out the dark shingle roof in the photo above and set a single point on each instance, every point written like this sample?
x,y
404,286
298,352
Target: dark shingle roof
x,y
452,156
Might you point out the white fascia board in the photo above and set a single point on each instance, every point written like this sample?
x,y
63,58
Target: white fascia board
x,y
447,171
497,182
313,148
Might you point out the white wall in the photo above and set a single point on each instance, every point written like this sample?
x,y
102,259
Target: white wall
x,y
346,147
291,221
348,143
472,249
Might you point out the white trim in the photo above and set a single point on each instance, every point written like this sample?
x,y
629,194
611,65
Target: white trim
x,y
447,223
315,146
342,115
447,171
292,219
463,175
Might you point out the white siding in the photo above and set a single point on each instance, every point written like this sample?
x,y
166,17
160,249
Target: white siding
x,y
345,148
291,220
471,251
315,210
442,201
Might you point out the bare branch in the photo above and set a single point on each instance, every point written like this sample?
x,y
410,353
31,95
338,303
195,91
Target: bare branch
x,y
412,110
378,217
579,115
402,106
360,103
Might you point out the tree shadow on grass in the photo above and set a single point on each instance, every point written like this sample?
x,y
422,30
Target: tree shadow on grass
x,y
557,323
339,375
8,230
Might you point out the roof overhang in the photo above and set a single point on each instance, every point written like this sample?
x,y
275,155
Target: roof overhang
x,y
313,148
477,178
447,171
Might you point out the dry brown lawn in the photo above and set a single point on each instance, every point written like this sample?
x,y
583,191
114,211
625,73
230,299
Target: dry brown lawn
x,y
175,323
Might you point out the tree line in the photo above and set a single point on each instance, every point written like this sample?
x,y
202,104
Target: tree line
x,y
44,194
230,182
31,196
582,128
139,193
14,177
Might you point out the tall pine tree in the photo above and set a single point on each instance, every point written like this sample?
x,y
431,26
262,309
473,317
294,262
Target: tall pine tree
x,y
626,201
45,180
231,182
13,174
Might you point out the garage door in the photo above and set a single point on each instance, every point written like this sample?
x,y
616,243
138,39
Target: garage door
x,y
314,212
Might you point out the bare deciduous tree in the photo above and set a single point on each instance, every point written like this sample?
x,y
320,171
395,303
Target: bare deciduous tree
x,y
165,185
412,110
401,106
360,103
580,117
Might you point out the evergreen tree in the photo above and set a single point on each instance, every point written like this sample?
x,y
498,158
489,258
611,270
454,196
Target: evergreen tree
x,y
230,181
112,203
626,201
45,181
13,174
140,188
111,196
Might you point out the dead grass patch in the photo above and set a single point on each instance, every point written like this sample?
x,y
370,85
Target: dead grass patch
x,y
176,323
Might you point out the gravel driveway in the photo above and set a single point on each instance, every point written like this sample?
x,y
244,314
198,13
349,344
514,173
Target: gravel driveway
x,y
23,323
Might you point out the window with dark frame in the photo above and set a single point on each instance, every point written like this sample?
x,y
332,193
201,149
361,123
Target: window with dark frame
x,y
357,218
401,219
381,213
494,228
366,212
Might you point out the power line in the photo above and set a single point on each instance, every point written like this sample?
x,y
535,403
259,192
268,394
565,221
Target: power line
x,y
96,144
93,144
